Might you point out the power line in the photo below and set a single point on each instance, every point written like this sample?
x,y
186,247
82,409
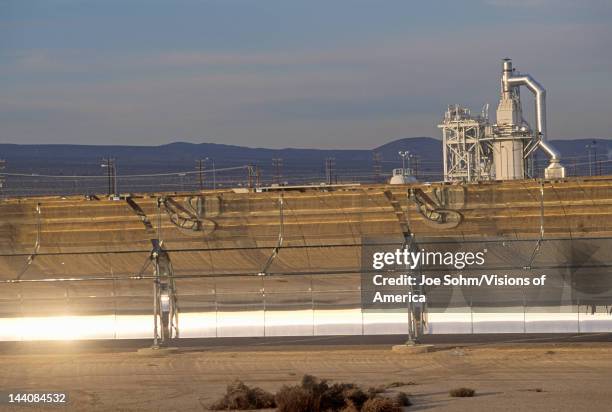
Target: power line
x,y
277,164
188,172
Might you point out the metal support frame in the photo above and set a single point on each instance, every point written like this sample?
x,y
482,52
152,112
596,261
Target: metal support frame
x,y
467,154
164,294
165,306
281,231
36,248
539,242
415,312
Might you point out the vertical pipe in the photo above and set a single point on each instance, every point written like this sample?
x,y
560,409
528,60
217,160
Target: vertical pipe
x,y
506,73
214,175
578,309
115,190
200,177
445,154
312,304
471,317
524,313
155,314
108,174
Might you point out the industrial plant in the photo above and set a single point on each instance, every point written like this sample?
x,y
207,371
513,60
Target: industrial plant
x,y
290,260
476,150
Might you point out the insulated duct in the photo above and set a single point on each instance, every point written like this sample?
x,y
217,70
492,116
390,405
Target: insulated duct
x,y
510,80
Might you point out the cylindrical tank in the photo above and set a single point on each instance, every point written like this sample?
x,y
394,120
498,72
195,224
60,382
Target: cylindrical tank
x,y
401,177
508,159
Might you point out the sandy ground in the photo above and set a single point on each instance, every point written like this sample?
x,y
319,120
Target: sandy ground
x,y
571,376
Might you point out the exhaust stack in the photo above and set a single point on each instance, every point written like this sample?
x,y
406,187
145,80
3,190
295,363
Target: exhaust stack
x,y
510,80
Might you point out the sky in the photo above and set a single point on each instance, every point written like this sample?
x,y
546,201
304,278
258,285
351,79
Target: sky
x,y
287,73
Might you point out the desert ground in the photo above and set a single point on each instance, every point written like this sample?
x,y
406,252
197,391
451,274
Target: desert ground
x,y
517,376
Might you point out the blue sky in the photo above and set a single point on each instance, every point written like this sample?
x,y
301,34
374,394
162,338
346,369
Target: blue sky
x,y
344,74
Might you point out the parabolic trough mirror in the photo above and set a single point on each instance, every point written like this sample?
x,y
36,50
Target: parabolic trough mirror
x,y
299,261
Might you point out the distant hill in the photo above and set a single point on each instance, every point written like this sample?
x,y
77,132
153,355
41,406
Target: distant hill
x,y
85,159
298,165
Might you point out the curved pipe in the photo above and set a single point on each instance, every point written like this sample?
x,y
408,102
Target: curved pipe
x,y
550,151
540,105
540,94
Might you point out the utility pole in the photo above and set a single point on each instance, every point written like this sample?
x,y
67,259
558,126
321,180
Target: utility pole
x,y
588,147
330,163
277,165
214,170
111,173
200,165
377,166
597,172
253,175
2,165
201,169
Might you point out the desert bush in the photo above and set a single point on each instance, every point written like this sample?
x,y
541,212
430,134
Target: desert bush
x,y
380,404
462,392
317,395
311,395
350,408
293,399
239,396
402,399
355,397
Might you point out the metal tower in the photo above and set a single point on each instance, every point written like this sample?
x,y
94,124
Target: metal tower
x,y
467,155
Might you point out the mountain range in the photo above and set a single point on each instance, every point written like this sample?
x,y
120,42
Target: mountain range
x,y
297,165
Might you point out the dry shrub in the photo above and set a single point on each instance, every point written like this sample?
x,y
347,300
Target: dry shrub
x,y
293,399
317,395
350,408
241,397
462,392
402,399
355,397
380,405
